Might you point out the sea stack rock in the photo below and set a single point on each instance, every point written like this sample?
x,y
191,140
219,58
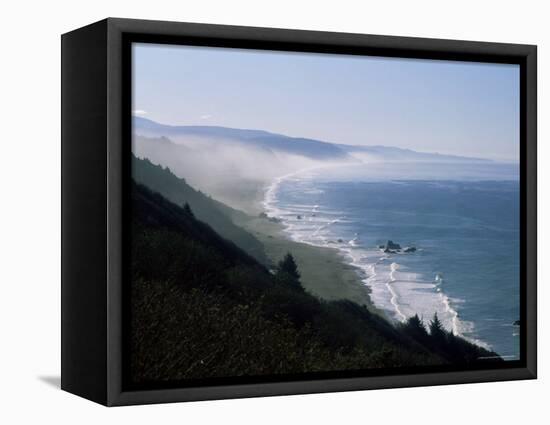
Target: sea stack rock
x,y
390,245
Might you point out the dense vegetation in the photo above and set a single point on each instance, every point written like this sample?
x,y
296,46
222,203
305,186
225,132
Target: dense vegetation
x,y
202,307
216,214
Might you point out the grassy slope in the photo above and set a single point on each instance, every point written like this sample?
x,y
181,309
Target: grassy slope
x,y
202,307
324,271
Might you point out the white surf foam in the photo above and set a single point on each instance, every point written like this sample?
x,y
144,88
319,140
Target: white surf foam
x,y
395,289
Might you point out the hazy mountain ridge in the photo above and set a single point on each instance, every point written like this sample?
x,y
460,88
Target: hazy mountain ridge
x,y
309,148
235,165
232,173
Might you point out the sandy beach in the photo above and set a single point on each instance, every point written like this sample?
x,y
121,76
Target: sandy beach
x,y
324,271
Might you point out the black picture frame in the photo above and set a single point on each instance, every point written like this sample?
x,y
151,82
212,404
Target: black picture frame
x,y
96,131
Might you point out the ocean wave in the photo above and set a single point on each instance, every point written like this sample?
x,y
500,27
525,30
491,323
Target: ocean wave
x,y
354,241
394,288
394,297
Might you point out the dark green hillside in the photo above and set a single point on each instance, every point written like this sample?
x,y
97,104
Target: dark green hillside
x,y
212,212
202,307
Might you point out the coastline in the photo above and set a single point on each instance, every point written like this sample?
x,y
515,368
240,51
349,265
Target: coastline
x,y
338,272
339,266
325,271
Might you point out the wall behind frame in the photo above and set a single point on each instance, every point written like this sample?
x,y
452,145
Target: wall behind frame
x,y
31,210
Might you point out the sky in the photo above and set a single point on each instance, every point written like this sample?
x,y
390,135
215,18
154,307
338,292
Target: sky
x,y
461,108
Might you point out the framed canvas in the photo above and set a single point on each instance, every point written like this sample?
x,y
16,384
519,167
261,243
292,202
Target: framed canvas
x,y
252,212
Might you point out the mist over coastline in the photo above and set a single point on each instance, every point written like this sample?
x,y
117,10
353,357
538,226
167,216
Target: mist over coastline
x,y
298,212
255,170
215,159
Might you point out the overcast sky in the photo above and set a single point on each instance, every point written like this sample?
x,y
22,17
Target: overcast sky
x,y
434,106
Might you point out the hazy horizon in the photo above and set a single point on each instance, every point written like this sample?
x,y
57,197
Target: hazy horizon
x,y
515,160
453,108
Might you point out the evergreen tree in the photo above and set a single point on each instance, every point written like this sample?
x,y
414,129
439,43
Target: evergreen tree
x,y
188,210
416,324
415,328
287,271
288,265
437,331
455,345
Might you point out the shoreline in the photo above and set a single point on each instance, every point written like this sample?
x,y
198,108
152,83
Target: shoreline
x,y
333,272
325,271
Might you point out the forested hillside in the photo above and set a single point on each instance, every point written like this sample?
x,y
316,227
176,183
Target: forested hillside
x,y
216,214
201,307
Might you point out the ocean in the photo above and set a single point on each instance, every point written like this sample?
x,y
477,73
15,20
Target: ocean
x,y
461,219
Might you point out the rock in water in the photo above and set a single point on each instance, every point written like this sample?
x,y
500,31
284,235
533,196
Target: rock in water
x,y
391,245
410,249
